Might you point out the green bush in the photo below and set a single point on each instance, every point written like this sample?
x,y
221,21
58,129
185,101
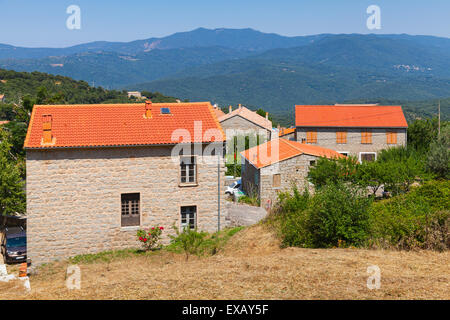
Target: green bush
x,y
188,240
327,171
418,219
253,201
337,215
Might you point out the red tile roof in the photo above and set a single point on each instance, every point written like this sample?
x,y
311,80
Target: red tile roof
x,y
287,131
250,115
99,125
278,150
350,116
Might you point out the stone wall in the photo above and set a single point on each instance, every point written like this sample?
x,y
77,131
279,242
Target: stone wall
x,y
326,137
292,171
74,198
239,123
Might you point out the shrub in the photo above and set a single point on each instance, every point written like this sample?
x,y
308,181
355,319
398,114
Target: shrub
x,y
150,238
189,240
253,201
439,156
338,214
418,219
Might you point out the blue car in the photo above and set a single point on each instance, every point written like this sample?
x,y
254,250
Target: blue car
x,y
14,245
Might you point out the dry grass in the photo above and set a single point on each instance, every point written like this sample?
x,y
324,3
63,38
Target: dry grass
x,y
252,266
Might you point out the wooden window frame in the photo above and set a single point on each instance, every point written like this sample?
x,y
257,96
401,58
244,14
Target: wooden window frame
x,y
362,153
188,217
276,180
188,169
341,137
130,209
391,137
366,136
311,136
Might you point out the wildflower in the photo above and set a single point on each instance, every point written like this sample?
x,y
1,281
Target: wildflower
x,y
161,228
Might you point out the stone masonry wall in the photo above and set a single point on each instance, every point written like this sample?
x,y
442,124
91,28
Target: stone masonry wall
x,y
74,198
292,171
326,137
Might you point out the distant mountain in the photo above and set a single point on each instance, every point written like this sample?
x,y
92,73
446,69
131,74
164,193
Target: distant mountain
x,y
231,66
334,68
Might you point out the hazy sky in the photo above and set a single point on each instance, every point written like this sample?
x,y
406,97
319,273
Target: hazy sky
x,y
34,23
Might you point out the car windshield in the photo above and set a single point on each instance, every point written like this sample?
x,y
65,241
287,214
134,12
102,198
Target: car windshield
x,y
16,242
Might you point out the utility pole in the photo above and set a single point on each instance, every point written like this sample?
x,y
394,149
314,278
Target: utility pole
x,y
439,119
218,192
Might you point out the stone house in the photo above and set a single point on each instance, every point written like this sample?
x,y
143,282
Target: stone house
x,y
277,165
240,123
357,130
287,133
98,173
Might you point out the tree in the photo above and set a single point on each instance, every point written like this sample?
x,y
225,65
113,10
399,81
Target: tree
x,y
373,174
327,171
12,195
439,155
421,132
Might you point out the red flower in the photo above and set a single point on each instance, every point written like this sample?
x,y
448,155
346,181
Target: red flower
x,y
145,239
140,238
153,228
161,228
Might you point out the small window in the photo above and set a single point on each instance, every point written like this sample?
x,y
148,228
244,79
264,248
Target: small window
x,y
312,163
165,111
188,170
367,157
344,153
311,137
366,137
391,137
188,217
130,209
276,180
341,137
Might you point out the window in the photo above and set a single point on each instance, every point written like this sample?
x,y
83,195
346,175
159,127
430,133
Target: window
x,y
344,153
130,209
188,170
391,137
366,137
311,137
312,163
188,217
341,137
276,183
367,156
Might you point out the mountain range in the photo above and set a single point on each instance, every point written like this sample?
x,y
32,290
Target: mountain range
x,y
230,66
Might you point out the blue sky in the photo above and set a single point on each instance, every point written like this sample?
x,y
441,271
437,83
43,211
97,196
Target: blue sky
x,y
35,23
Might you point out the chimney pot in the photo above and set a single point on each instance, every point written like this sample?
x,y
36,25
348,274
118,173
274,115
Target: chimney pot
x,y
267,116
230,108
240,106
47,128
148,109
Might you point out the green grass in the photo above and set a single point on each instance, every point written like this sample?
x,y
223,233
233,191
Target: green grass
x,y
211,245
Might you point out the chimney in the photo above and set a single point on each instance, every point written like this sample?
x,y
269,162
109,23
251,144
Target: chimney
x,y
47,128
267,116
278,127
240,106
148,109
230,108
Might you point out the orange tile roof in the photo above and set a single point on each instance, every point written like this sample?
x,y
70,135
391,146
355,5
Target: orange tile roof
x,y
287,131
250,116
219,113
278,150
99,125
350,116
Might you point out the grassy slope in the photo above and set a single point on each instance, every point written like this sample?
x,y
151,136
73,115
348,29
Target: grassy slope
x,y
252,266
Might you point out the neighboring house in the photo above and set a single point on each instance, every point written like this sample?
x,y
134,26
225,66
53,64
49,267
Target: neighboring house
x,y
246,120
357,130
97,173
277,165
287,133
241,123
219,113
136,94
2,98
